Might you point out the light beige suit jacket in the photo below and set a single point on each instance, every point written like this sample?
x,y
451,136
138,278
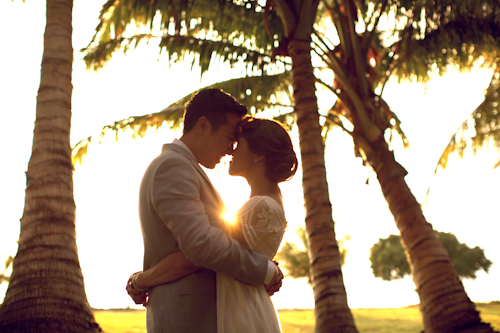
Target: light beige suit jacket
x,y
179,209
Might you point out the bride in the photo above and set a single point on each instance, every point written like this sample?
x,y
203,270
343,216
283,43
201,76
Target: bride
x,y
264,156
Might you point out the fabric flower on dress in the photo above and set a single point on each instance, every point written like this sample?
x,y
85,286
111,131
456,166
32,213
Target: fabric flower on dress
x,y
274,241
264,219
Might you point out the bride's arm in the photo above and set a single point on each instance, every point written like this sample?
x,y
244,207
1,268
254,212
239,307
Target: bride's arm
x,y
169,269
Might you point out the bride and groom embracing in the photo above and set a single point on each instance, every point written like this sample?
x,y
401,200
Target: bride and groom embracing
x,y
200,273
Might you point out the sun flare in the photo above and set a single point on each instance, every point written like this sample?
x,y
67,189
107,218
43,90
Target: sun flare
x,y
229,216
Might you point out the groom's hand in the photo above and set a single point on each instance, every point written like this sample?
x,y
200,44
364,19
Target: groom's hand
x,y
139,297
276,281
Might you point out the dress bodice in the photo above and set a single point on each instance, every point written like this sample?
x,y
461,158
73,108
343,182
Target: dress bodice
x,y
262,221
242,307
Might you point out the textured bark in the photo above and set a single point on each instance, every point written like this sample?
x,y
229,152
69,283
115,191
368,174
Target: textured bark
x,y
444,304
331,310
46,291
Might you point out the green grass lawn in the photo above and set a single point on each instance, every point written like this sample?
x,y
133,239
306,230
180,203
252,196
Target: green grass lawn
x,y
400,320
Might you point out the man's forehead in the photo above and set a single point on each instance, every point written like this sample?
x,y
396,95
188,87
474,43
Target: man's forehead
x,y
229,129
234,124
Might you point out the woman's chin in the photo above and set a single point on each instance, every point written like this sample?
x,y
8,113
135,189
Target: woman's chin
x,y
232,172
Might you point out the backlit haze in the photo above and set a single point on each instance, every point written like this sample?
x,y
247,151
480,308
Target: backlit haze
x,y
462,199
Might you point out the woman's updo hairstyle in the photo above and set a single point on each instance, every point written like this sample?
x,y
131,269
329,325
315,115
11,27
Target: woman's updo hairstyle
x,y
270,139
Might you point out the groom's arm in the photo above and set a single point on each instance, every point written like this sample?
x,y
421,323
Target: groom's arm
x,y
234,231
274,275
176,197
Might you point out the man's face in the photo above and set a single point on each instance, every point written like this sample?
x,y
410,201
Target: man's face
x,y
243,159
220,142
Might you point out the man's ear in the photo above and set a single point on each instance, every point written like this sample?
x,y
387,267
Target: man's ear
x,y
203,126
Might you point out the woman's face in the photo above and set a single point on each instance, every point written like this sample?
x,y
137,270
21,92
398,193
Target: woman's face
x,y
243,159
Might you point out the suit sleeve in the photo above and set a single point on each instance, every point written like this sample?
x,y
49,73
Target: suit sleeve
x,y
176,198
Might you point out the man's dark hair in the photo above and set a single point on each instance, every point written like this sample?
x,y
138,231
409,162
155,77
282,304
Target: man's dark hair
x,y
214,104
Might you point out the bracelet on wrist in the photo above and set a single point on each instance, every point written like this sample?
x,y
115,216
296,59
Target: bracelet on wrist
x,y
135,286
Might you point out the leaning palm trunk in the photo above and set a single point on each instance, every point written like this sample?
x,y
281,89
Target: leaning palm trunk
x,y
46,291
444,305
332,313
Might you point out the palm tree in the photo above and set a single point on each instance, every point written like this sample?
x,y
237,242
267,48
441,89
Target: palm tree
x,y
252,39
46,291
423,36
331,307
374,41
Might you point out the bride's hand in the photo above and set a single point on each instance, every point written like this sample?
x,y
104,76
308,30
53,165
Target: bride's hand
x,y
276,281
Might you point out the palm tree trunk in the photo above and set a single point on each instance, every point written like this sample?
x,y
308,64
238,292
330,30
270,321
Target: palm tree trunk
x,y
332,313
46,291
444,304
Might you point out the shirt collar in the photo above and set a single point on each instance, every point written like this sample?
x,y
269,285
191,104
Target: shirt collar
x,y
183,145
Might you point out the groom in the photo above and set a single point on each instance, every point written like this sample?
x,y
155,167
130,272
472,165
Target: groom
x,y
180,210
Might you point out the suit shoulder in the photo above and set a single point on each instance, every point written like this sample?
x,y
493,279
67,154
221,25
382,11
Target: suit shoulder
x,y
173,166
171,158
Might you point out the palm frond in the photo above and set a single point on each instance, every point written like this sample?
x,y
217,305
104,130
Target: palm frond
x,y
3,276
480,128
172,115
124,22
483,125
258,93
180,46
456,43
336,115
332,120
396,127
117,17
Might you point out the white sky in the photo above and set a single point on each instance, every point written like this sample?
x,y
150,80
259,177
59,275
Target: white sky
x,y
106,184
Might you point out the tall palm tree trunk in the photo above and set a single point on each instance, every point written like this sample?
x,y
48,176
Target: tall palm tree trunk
x,y
444,305
46,291
332,313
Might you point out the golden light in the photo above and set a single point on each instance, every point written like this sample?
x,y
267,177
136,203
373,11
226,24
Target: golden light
x,y
229,216
104,210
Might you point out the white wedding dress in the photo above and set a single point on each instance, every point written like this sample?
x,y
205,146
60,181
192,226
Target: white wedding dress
x,y
242,308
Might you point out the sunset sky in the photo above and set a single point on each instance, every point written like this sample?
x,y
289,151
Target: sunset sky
x,y
463,199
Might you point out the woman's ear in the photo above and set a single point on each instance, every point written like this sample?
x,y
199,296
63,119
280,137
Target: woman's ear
x,y
259,158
